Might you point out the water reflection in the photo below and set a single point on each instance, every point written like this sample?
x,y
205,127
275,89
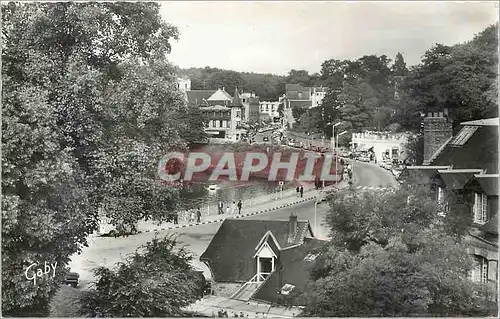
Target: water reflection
x,y
228,191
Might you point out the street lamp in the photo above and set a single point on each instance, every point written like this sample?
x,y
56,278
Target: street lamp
x,y
336,159
333,133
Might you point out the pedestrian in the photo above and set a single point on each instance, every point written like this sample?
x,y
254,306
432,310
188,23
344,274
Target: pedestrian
x,y
176,218
198,215
239,207
221,208
233,208
192,216
298,190
301,191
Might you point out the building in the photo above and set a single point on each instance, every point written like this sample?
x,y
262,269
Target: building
x,y
269,108
184,84
317,96
199,97
384,144
224,114
466,164
254,259
298,96
250,104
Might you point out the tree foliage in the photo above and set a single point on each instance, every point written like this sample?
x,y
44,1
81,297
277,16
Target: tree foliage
x,y
268,87
89,105
392,254
156,282
461,78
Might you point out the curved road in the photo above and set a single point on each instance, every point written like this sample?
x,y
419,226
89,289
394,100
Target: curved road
x,y
104,251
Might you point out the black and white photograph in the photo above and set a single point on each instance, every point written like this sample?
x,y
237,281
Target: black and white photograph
x,y
249,159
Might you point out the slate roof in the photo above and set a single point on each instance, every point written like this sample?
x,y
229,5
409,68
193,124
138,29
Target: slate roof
x,y
197,97
489,183
230,253
236,99
295,270
491,226
422,174
220,95
456,179
479,150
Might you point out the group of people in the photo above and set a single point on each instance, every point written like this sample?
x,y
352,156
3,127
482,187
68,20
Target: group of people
x,y
231,209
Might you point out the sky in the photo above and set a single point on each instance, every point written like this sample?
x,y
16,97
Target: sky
x,y
275,37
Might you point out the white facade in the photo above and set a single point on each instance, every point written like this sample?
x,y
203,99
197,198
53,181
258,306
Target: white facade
x,y
270,108
381,142
317,96
235,131
184,84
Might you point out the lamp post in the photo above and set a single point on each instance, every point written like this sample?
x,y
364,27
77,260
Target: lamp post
x,y
333,133
336,160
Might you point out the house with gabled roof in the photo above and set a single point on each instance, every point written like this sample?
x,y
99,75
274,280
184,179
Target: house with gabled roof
x,y
254,255
466,164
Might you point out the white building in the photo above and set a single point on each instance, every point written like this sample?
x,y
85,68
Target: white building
x,y
392,144
184,84
317,96
270,108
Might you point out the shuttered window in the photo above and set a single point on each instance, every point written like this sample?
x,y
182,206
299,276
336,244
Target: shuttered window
x,y
480,208
480,270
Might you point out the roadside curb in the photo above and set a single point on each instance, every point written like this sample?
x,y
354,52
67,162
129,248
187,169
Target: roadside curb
x,y
306,199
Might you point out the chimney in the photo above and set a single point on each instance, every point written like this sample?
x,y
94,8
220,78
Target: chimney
x,y
437,130
292,228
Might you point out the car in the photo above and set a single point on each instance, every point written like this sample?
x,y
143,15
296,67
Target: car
x,y
265,139
72,279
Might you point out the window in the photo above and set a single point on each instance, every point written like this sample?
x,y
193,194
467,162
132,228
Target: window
x,y
463,136
479,209
216,123
238,113
244,100
479,271
440,195
211,123
311,257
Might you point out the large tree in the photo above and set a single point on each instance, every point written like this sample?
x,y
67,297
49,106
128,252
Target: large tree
x,y
89,104
392,254
461,78
156,281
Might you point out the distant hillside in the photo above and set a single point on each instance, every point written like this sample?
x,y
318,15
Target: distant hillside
x,y
266,86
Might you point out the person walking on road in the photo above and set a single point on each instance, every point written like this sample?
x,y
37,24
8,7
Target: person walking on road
x,y
221,208
239,207
233,208
192,216
198,215
301,191
298,190
176,218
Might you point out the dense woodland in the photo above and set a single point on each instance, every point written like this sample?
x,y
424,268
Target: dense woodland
x,y
90,103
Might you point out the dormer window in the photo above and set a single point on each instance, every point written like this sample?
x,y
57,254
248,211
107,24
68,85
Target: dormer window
x,y
311,257
479,209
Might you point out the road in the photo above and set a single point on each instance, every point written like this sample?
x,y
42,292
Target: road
x,y
104,251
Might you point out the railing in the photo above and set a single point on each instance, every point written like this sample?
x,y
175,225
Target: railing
x,y
257,279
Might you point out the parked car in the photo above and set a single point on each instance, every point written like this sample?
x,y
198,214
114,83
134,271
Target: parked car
x,y
72,279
